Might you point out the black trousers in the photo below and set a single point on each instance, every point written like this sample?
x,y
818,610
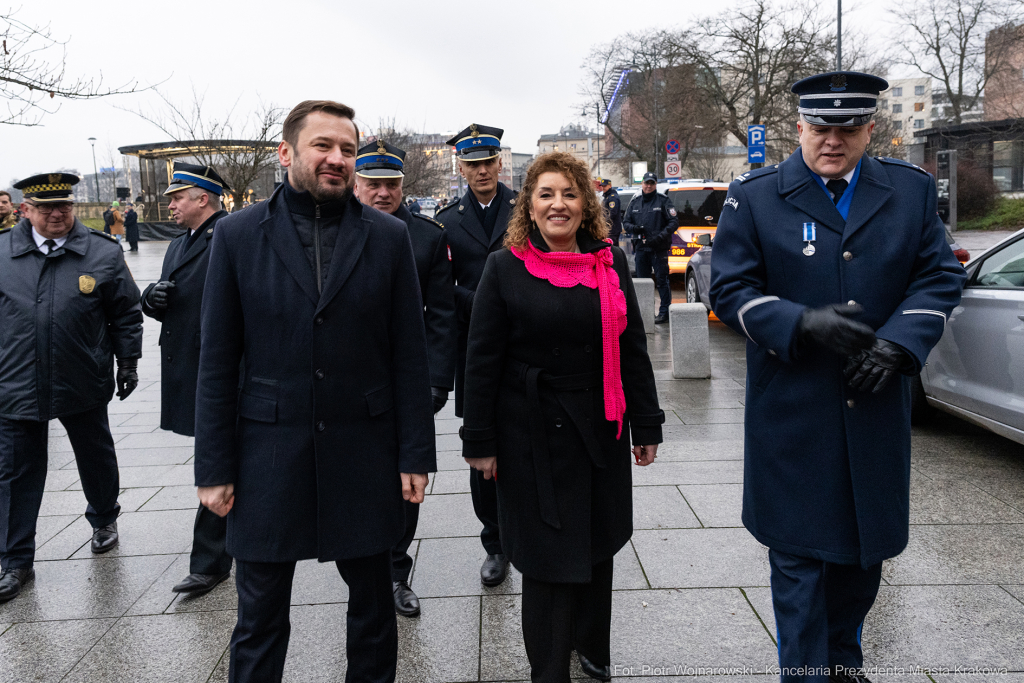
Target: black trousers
x,y
209,536
819,612
23,456
259,643
561,617
401,562
648,261
485,504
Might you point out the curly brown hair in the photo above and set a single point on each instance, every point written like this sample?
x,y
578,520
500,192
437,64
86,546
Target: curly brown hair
x,y
594,221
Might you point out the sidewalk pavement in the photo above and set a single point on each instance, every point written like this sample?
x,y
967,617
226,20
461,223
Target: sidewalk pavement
x,y
691,589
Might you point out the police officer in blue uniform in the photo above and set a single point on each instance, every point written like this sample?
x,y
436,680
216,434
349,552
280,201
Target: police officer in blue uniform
x,y
613,207
475,225
379,174
835,267
651,220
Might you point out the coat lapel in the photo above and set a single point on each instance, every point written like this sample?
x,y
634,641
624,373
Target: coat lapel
x,y
800,189
201,243
284,239
506,200
352,234
870,194
469,221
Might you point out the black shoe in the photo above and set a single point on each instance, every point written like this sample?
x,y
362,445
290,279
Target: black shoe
x,y
197,584
494,570
12,580
847,678
406,602
661,319
104,538
601,673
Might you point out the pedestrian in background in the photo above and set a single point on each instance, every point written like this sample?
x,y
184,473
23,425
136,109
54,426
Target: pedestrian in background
x,y
70,307
131,227
652,221
613,209
558,381
834,265
8,219
108,219
117,222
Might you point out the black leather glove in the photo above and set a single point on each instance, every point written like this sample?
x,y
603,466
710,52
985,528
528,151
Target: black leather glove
x,y
831,328
127,376
160,293
871,370
440,397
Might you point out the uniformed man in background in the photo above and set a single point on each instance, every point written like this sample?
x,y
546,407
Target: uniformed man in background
x,y
475,225
379,174
8,219
613,207
835,267
68,306
175,300
651,221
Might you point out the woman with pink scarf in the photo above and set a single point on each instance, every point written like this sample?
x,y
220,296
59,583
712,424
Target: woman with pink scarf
x,y
558,384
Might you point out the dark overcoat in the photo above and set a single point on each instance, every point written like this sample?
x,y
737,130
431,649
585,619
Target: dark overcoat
x,y
63,318
534,399
470,247
827,467
651,223
185,265
334,399
613,209
434,268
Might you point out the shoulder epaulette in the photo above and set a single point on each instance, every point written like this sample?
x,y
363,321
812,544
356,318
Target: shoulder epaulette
x,y
757,173
100,233
428,219
447,208
900,162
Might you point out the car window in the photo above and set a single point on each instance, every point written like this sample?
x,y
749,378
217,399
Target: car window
x,y
698,207
1003,269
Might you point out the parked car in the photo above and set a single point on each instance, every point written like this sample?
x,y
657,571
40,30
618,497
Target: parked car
x,y
976,371
698,206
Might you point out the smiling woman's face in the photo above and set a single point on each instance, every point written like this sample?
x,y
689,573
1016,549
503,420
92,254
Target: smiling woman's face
x,y
556,206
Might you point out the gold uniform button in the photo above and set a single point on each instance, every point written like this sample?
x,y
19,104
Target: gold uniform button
x,y
848,256
850,403
851,302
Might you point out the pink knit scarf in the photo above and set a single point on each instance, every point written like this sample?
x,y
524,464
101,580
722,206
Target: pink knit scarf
x,y
567,269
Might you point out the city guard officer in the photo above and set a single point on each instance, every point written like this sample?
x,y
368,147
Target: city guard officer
x,y
68,306
652,221
175,300
613,207
475,225
835,267
379,174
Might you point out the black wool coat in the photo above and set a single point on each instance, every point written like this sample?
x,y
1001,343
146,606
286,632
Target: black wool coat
x,y
534,399
185,265
470,247
434,269
333,401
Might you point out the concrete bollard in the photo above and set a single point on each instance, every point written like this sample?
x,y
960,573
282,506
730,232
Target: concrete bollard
x,y
691,344
644,287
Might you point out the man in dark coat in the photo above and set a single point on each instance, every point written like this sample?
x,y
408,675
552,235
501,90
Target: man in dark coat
x,y
652,221
379,174
68,306
475,225
312,444
613,207
835,267
131,227
175,300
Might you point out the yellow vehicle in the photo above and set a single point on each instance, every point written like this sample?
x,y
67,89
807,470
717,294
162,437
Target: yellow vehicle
x,y
698,205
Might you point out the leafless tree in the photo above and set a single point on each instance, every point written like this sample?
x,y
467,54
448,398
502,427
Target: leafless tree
x,y
946,39
240,146
427,165
33,74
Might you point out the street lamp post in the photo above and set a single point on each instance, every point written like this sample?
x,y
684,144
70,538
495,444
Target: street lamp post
x,y
95,170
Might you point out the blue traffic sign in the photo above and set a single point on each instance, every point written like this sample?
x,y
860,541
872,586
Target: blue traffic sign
x,y
756,135
672,147
755,154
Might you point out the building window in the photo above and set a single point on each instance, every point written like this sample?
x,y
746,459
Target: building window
x,y
1008,165
883,104
918,123
935,113
918,106
897,108
897,125
897,92
918,89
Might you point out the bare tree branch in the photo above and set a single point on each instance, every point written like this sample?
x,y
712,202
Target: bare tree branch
x,y
427,166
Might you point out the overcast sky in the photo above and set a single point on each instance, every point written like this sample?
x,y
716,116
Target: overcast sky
x,y
434,66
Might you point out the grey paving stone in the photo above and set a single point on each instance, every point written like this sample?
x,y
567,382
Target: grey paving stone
x,y
159,439
698,558
316,650
447,426
452,461
46,651
1016,591
132,499
172,647
969,554
133,429
84,589
455,481
1009,490
158,597
711,416
56,460
502,653
945,626
716,505
661,507
956,502
154,475
448,516
48,527
760,598
140,457
628,574
448,442
705,433
59,480
965,677
142,419
695,450
62,503
439,645
223,597
163,532
969,466
173,498
318,583
450,567
65,542
675,473
58,444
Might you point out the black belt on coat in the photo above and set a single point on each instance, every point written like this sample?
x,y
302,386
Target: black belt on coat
x,y
532,378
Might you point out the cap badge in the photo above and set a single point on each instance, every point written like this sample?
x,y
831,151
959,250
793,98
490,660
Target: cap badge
x,y
53,178
837,103
380,147
839,83
473,131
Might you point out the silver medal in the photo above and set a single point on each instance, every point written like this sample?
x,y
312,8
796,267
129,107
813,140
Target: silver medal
x,y
809,250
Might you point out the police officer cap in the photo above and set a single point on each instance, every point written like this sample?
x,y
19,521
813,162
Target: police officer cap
x,y
650,177
477,143
185,176
380,160
839,98
48,187
603,181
